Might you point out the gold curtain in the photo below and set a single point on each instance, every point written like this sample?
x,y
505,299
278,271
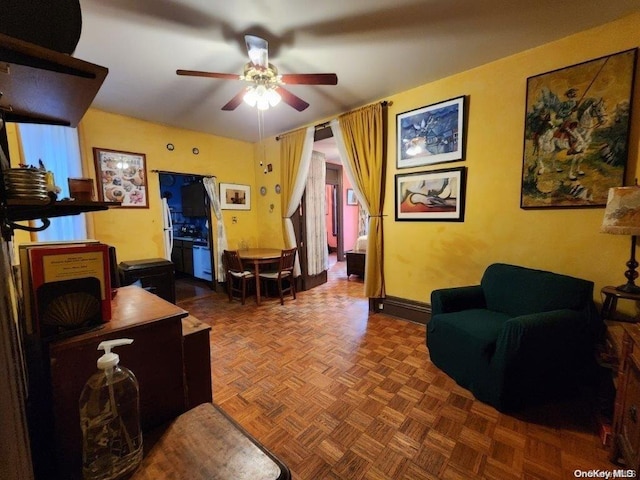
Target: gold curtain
x,y
363,133
295,157
291,146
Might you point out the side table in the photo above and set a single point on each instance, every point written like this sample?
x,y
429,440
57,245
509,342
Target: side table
x,y
610,302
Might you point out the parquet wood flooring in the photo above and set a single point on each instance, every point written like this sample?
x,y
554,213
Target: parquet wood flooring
x,y
338,393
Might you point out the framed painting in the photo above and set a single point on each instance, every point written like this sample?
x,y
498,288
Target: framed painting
x,y
235,197
351,197
121,177
431,134
576,134
438,195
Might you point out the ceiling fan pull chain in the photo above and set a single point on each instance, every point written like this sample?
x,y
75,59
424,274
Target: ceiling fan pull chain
x,y
262,151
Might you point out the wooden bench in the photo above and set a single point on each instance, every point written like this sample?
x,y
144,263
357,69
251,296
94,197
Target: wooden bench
x,y
206,444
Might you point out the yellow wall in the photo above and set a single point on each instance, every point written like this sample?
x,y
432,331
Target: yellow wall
x,y
137,233
422,256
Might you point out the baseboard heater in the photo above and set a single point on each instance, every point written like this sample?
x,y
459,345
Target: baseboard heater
x,y
411,310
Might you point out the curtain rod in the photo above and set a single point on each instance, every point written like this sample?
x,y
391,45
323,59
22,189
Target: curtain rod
x,y
320,126
167,172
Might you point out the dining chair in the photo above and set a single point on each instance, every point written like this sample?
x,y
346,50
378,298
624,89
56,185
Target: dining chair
x,y
284,272
237,275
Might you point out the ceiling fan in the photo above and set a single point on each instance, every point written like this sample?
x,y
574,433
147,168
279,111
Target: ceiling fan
x,y
265,83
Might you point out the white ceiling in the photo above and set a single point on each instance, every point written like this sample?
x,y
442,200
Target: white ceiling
x,y
376,47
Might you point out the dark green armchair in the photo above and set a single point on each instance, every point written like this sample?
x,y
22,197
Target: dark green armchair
x,y
519,337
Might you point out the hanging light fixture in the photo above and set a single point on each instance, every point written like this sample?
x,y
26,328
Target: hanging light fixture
x,y
261,96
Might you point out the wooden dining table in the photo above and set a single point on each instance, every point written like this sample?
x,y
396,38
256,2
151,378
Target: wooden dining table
x,y
256,257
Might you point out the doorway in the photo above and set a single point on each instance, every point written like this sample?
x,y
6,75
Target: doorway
x,y
335,209
186,224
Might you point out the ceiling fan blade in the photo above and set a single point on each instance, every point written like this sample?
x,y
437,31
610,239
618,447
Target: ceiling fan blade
x,y
258,50
310,78
291,99
235,101
195,73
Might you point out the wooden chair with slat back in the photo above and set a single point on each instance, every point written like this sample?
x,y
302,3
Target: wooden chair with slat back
x,y
237,275
284,272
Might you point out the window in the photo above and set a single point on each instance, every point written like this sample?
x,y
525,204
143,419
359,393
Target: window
x,y
59,150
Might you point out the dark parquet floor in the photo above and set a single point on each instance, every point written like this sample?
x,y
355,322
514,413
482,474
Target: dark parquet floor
x,y
338,393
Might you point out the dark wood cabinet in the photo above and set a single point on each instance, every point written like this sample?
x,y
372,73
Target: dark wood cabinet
x,y
355,263
193,200
155,357
626,422
182,256
156,275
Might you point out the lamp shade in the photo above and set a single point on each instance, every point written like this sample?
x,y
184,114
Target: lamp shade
x,y
622,214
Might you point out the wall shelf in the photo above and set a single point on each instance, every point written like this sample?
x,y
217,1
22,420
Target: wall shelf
x,y
42,86
43,210
25,210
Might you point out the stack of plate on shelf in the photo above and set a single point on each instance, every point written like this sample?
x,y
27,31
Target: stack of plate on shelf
x,y
25,183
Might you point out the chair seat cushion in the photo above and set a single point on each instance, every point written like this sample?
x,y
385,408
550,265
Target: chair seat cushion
x,y
245,274
274,275
465,342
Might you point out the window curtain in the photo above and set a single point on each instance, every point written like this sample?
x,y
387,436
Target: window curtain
x,y
211,186
315,203
59,150
360,141
295,156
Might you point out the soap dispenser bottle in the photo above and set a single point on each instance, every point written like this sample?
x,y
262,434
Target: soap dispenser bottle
x,y
110,418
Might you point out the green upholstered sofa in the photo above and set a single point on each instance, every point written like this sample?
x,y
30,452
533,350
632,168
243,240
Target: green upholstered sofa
x,y
519,337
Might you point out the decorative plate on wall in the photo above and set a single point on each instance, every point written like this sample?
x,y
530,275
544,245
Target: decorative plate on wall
x,y
277,188
263,191
167,180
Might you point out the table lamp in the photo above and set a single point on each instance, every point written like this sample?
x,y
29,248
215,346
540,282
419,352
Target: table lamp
x,y
622,217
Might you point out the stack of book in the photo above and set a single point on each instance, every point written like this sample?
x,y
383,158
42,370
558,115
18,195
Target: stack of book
x,y
66,287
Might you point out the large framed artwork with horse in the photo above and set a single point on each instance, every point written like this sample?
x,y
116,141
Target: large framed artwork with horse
x,y
577,133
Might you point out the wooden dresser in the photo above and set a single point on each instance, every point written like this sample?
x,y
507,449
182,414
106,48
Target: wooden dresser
x,y
155,357
626,420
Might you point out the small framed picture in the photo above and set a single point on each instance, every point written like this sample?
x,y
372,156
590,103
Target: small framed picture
x,y
351,197
121,177
431,134
235,197
438,195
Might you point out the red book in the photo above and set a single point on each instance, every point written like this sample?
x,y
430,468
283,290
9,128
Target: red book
x,y
72,272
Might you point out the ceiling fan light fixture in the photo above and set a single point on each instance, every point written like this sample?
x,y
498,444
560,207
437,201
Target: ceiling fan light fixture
x,y
251,97
273,97
262,103
261,97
